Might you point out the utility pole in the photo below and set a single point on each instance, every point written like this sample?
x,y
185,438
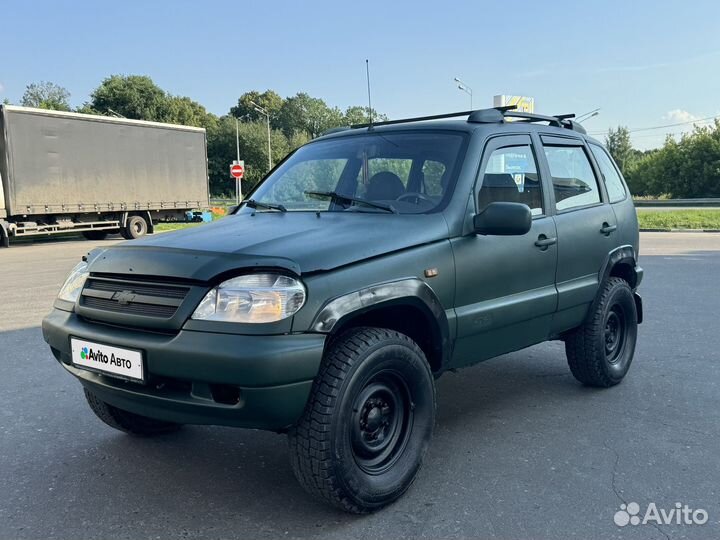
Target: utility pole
x,y
238,186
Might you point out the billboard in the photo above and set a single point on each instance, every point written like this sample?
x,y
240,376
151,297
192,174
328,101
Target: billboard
x,y
523,103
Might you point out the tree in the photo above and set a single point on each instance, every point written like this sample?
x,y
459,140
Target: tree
x,y
253,150
305,113
687,168
131,96
619,145
268,100
361,115
46,95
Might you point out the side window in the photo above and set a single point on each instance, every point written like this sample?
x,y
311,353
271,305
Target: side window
x,y
574,182
613,182
511,176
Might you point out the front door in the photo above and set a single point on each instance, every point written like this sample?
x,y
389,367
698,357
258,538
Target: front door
x,y
506,292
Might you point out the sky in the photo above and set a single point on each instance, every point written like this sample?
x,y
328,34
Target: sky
x,y
643,63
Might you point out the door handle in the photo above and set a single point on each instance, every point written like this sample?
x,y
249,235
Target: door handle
x,y
607,229
543,242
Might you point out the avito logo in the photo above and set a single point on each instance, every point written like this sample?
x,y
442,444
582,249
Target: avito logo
x,y
681,514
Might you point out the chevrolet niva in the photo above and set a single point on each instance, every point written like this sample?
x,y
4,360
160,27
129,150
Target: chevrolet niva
x,y
365,265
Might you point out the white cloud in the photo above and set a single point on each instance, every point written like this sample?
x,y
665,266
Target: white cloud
x,y
2,88
679,115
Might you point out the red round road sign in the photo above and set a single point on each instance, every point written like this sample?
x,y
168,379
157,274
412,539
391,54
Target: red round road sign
x,y
237,171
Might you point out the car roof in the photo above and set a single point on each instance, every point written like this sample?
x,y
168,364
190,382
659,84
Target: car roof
x,y
460,124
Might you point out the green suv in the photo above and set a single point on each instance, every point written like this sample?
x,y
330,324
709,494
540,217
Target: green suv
x,y
365,265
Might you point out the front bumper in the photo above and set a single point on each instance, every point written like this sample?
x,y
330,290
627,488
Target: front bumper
x,y
189,374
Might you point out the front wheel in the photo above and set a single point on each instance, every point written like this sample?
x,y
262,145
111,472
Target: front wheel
x,y
600,351
361,440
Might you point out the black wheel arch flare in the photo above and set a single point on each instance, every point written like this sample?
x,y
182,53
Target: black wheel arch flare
x,y
409,292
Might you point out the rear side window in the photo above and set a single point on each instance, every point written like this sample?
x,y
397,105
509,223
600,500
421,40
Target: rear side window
x,y
511,176
574,182
613,182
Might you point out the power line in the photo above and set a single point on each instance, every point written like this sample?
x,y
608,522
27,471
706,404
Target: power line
x,y
635,130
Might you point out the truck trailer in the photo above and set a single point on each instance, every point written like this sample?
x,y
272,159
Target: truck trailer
x,y
68,172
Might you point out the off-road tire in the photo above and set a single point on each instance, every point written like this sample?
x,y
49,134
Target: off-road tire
x,y
324,443
135,227
95,235
590,356
126,421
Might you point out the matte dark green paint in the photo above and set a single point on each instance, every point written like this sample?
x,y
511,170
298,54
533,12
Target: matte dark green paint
x,y
490,294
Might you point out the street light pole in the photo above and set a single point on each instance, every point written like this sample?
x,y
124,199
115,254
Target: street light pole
x,y
238,187
465,88
259,109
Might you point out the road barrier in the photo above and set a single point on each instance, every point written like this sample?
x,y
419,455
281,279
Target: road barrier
x,y
677,203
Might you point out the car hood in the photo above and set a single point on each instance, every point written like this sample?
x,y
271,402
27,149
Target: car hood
x,y
301,242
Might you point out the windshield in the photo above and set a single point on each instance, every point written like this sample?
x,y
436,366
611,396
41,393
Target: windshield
x,y
401,172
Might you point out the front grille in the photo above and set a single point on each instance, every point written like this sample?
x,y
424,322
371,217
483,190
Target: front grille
x,y
149,299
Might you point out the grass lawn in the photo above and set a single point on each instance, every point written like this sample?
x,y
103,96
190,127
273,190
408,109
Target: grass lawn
x,y
680,219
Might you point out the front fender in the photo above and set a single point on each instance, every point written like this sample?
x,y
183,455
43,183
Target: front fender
x,y
410,291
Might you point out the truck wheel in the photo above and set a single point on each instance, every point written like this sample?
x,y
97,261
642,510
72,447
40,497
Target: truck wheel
x,y
127,421
601,350
135,227
95,235
368,422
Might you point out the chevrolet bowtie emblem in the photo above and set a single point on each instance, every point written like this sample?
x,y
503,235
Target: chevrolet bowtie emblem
x,y
124,297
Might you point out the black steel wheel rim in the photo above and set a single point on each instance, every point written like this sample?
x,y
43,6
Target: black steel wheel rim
x,y
615,334
381,422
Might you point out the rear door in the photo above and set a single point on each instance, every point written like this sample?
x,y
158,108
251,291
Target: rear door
x,y
585,222
506,284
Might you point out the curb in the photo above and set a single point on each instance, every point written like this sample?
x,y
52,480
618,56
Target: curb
x,y
682,230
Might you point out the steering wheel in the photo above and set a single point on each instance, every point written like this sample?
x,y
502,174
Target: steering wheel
x,y
417,196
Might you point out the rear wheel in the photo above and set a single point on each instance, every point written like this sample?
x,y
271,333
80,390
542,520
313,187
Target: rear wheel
x,y
126,421
600,352
135,227
361,440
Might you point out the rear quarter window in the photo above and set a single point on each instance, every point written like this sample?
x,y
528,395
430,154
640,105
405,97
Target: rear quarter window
x,y
611,176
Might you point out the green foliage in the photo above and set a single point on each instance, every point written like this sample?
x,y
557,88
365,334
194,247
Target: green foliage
x,y
688,168
302,112
268,100
253,150
618,144
46,95
361,115
131,96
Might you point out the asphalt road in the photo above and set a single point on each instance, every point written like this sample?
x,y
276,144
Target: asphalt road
x,y
520,449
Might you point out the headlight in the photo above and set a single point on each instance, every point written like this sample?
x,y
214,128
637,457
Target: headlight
x,y
255,298
74,283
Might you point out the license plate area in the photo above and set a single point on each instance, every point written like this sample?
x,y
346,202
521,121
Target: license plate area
x,y
110,360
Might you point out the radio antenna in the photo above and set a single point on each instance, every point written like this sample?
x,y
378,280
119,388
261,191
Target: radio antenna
x,y
367,73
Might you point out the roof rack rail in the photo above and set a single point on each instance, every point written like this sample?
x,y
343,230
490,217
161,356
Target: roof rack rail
x,y
489,116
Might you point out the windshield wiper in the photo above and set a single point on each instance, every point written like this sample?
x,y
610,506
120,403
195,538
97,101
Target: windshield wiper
x,y
337,197
252,203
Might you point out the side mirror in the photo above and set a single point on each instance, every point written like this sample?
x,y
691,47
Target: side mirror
x,y
503,219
